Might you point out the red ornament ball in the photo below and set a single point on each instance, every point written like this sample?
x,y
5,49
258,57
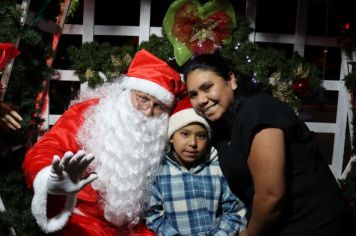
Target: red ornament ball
x,y
301,87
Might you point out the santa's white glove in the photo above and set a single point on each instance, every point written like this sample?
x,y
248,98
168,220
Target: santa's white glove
x,y
67,173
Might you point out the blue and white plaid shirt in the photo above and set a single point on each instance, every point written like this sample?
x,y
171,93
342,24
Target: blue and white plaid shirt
x,y
193,202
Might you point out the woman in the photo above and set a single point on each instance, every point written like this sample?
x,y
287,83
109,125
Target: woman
x,y
267,155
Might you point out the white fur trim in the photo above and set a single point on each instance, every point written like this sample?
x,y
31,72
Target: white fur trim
x,y
183,118
39,204
148,87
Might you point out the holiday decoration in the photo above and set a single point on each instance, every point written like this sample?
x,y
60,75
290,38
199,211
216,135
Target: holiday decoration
x,y
96,63
283,91
8,51
347,38
300,85
194,29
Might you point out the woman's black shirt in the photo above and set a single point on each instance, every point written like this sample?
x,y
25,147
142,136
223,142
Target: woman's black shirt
x,y
313,197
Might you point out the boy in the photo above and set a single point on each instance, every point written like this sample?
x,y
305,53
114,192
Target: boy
x,y
190,196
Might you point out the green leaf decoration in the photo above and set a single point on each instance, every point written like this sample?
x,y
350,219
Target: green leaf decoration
x,y
193,29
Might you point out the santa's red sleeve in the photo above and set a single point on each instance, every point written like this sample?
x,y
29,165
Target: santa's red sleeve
x,y
36,166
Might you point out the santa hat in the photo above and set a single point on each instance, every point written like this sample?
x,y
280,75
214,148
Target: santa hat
x,y
151,75
183,115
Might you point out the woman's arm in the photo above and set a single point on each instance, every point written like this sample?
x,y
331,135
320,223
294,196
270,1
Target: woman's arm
x,y
267,166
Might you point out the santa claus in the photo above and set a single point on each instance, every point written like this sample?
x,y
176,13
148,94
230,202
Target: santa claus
x,y
90,171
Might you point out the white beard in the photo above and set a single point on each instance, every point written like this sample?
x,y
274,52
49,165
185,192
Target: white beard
x,y
128,148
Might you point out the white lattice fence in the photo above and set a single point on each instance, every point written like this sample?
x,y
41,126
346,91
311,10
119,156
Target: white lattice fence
x,y
300,40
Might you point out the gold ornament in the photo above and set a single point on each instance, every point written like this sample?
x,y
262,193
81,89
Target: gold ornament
x,y
284,92
89,74
127,59
275,78
300,72
116,61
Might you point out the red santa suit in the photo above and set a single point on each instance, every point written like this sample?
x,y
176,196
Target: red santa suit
x,y
87,217
82,213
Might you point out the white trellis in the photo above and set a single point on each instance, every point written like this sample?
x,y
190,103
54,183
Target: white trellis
x,y
299,40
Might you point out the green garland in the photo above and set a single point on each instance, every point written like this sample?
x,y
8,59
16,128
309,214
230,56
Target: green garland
x,y
11,27
96,63
268,66
161,47
93,58
264,64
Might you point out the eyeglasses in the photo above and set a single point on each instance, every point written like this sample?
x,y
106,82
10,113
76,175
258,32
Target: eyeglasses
x,y
146,103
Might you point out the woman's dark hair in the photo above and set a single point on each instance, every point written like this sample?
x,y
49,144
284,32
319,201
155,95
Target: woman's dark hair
x,y
209,62
222,67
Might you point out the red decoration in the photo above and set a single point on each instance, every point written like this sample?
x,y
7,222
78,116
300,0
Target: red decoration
x,y
345,39
8,51
347,26
201,35
301,87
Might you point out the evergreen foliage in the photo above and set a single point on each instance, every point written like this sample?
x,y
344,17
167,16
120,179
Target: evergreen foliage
x,y
94,57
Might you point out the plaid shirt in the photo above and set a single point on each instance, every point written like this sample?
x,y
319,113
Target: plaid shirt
x,y
191,202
